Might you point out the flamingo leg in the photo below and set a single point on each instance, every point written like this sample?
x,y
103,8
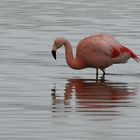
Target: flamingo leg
x,y
103,71
96,73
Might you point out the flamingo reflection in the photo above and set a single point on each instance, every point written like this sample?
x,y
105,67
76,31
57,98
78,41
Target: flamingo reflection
x,y
86,95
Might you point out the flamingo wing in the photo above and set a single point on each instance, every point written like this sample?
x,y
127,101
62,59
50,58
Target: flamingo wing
x,y
107,44
111,47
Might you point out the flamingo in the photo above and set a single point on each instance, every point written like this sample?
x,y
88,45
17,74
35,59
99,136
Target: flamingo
x,y
97,51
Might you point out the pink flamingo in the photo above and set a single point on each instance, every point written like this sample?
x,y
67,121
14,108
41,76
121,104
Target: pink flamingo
x,y
96,51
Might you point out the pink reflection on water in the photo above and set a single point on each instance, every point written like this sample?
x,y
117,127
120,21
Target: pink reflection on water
x,y
97,97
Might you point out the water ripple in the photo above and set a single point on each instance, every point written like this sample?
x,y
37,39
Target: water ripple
x,y
39,99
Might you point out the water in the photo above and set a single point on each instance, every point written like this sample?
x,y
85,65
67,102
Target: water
x,y
41,98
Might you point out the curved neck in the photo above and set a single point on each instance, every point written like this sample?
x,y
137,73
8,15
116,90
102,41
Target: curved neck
x,y
71,61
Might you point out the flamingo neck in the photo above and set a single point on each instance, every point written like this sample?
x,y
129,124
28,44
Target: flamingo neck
x,y
71,61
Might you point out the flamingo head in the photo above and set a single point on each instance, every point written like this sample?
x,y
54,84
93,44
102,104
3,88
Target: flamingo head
x,y
58,43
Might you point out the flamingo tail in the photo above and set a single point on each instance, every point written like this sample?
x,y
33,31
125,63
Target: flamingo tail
x,y
132,54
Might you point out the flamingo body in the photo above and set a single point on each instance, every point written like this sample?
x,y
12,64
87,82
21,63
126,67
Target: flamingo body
x,y
97,51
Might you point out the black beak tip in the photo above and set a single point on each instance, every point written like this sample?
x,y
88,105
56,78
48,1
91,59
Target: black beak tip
x,y
54,54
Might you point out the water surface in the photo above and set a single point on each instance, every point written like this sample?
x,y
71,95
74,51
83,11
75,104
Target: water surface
x,y
41,98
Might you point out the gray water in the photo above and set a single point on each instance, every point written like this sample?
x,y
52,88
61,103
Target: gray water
x,y
42,99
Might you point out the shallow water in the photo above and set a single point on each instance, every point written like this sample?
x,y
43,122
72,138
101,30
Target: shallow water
x,y
41,98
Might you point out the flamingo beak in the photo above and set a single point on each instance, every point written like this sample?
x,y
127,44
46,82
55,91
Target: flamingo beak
x,y
54,54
